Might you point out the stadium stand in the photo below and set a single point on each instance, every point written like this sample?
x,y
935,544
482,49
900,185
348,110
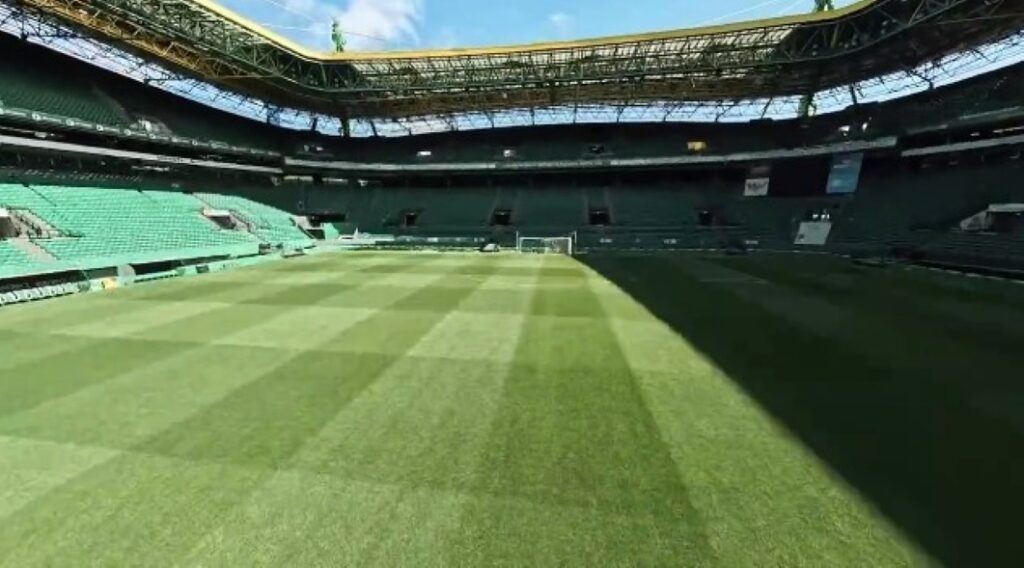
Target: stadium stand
x,y
270,224
81,91
102,226
985,96
12,256
920,208
898,204
162,110
549,208
346,201
29,83
473,211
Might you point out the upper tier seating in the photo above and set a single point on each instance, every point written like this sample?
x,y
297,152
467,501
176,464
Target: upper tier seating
x,y
909,208
38,79
550,209
39,88
192,120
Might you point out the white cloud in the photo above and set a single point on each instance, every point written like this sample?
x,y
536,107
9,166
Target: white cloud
x,y
389,21
444,39
369,24
562,22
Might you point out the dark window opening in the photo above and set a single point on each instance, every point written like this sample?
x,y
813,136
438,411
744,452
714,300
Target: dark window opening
x,y
705,218
409,218
321,218
501,217
600,217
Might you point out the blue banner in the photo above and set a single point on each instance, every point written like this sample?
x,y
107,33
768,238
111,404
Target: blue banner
x,y
845,174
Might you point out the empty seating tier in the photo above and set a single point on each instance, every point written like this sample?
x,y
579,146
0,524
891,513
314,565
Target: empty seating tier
x,y
103,226
270,224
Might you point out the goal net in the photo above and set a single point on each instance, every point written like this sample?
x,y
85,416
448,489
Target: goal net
x,y
545,245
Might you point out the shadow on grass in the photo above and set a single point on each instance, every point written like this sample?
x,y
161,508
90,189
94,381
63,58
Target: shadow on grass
x,y
910,432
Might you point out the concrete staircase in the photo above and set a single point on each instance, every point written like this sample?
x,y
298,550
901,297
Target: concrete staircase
x,y
32,250
114,104
28,223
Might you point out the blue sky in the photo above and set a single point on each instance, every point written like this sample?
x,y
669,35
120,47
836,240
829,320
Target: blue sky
x,y
406,24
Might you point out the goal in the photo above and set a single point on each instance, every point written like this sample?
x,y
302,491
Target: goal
x,y
545,245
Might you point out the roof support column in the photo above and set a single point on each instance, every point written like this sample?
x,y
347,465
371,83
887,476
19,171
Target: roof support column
x,y
807,102
346,124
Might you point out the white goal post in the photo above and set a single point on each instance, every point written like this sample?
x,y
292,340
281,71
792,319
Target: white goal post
x,y
545,245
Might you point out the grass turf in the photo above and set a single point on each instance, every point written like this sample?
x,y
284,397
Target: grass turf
x,y
373,408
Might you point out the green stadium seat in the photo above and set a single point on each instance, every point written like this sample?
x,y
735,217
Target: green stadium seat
x,y
40,89
118,226
269,224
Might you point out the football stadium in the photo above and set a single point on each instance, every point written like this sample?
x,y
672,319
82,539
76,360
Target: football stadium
x,y
746,293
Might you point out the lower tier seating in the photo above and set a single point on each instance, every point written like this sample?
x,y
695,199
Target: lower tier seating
x,y
270,224
13,260
103,226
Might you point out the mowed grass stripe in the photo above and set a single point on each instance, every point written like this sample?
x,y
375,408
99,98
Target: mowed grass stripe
x,y
145,345
147,315
421,425
380,484
386,463
266,420
921,344
213,324
188,289
920,313
17,349
55,315
573,450
301,295
60,374
421,398
931,459
762,494
347,261
941,287
295,400
925,384
299,519
236,441
379,461
29,469
134,508
138,404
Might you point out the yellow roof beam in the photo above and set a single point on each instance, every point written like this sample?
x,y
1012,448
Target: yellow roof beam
x,y
356,56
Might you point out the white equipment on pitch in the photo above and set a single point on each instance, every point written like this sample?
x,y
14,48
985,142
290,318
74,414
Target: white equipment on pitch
x,y
545,245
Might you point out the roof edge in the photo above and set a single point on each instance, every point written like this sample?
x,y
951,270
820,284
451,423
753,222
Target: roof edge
x,y
357,56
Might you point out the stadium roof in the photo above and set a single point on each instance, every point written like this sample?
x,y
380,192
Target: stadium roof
x,y
767,58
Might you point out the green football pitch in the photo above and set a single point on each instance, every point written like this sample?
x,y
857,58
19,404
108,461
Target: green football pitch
x,y
462,409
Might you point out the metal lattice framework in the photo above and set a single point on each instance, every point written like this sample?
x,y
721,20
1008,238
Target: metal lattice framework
x,y
768,59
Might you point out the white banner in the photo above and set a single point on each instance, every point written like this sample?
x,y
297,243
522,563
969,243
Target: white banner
x,y
757,187
813,233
